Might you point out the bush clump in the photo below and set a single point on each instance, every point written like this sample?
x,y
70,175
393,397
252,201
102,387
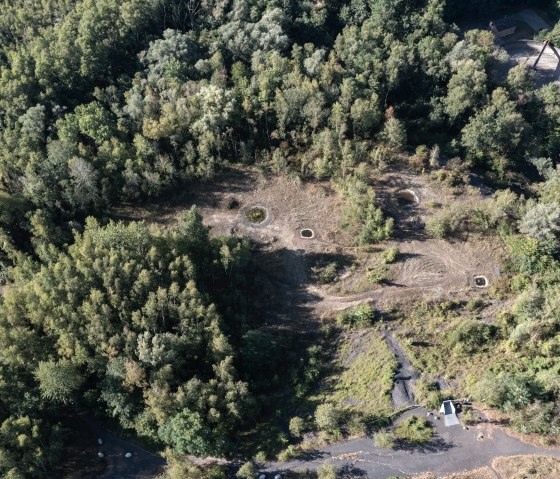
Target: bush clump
x,y
327,417
415,430
325,274
471,335
359,316
390,255
384,439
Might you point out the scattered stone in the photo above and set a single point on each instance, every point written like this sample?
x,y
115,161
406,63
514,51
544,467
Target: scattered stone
x,y
100,455
128,455
99,441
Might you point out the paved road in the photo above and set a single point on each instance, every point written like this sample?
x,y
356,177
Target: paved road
x,y
405,377
452,450
142,464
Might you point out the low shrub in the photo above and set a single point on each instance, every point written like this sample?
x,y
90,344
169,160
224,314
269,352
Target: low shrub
x,y
325,274
537,417
327,417
359,316
296,426
327,471
470,335
428,393
291,452
378,273
415,430
247,471
390,255
469,417
384,439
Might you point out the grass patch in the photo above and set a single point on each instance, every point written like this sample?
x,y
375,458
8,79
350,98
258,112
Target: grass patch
x,y
363,381
530,467
414,430
256,215
440,340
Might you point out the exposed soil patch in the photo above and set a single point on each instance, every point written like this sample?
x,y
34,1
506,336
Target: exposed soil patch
x,y
529,467
426,267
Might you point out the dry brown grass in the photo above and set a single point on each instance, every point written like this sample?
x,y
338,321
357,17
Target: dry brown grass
x,y
515,467
527,467
482,473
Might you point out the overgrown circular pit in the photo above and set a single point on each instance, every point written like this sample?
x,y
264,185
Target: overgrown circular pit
x,y
480,281
407,198
307,233
256,215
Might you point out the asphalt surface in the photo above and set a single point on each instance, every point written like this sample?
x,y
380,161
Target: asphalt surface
x,y
142,465
405,377
452,449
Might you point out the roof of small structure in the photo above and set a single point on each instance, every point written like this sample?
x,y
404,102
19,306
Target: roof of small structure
x,y
448,410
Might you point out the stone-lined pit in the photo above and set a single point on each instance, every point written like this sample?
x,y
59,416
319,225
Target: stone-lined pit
x,y
256,215
480,281
307,233
407,198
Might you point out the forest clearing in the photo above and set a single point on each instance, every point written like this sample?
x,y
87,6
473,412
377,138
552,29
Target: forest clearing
x,y
279,239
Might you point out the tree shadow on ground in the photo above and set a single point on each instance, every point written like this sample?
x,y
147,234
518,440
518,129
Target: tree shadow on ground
x,y
350,471
435,445
302,353
220,192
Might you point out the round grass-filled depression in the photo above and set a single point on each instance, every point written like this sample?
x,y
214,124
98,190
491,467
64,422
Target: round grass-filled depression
x,y
256,215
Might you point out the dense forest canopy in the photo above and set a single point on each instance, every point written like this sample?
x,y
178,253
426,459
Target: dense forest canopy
x,y
111,102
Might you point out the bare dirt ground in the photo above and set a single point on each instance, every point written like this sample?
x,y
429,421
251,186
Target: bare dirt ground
x,y
527,467
427,268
